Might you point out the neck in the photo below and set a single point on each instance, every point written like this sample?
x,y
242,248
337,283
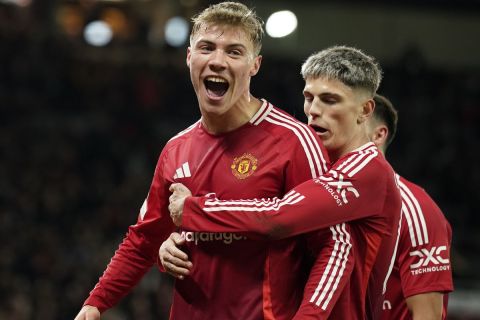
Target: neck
x,y
354,144
234,118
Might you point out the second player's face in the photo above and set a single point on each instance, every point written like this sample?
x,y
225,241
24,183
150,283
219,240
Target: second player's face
x,y
336,112
221,61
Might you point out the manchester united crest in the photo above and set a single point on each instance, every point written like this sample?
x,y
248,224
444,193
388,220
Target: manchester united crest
x,y
244,166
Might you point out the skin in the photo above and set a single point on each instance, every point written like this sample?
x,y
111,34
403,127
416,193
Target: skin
x,y
227,53
223,52
424,306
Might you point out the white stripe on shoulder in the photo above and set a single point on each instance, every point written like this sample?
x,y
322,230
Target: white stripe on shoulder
x,y
358,160
309,137
187,130
413,209
258,117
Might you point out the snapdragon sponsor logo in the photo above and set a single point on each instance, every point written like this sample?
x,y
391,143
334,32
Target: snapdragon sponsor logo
x,y
430,260
225,237
337,187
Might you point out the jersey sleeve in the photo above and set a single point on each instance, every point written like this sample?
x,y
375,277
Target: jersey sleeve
x,y
332,199
139,249
333,250
424,249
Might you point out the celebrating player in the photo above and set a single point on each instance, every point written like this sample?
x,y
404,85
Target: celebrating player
x,y
360,188
242,147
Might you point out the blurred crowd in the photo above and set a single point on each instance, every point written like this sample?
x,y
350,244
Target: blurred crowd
x,y
81,130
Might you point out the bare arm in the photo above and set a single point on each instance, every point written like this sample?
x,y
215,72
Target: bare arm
x,y
426,306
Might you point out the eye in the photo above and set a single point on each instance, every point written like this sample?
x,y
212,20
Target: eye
x,y
235,52
308,97
205,48
329,100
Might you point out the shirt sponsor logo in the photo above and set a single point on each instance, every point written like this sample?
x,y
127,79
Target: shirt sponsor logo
x,y
244,166
429,260
337,187
225,237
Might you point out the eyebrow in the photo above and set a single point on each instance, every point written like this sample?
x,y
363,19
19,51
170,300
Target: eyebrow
x,y
233,45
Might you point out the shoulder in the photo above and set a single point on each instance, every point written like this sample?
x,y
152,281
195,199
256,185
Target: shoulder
x,y
179,139
419,204
366,162
281,123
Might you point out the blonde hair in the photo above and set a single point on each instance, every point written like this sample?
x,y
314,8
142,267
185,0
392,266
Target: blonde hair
x,y
346,64
231,14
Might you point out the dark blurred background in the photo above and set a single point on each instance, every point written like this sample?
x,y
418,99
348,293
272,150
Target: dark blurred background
x,y
82,125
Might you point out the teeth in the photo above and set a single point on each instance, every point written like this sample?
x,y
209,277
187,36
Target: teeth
x,y
216,79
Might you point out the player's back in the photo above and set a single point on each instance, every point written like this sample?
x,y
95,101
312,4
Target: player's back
x,y
235,277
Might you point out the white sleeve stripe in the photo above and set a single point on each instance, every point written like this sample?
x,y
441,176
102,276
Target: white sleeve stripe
x,y
394,255
345,259
416,210
254,202
265,108
313,172
325,286
304,140
413,215
181,133
290,201
309,136
409,223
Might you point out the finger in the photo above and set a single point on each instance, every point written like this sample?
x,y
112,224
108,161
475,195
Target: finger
x,y
177,262
177,253
175,186
177,272
178,239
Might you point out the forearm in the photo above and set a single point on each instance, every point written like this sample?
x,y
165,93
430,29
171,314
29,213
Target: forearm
x,y
124,271
306,208
329,274
426,306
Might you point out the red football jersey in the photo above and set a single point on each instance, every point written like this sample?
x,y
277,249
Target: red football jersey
x,y
423,256
233,276
360,188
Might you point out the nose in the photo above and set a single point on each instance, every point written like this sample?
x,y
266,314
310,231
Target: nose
x,y
217,60
313,109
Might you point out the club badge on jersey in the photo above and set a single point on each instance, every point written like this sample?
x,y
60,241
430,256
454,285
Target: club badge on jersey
x,y
244,166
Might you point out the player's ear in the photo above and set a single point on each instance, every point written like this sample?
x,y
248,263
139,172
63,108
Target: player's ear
x,y
366,111
379,135
188,56
256,65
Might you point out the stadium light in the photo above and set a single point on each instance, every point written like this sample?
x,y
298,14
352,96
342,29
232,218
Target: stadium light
x,y
281,24
98,33
176,31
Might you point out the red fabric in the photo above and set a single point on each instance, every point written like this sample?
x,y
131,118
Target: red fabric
x,y
360,189
264,158
423,256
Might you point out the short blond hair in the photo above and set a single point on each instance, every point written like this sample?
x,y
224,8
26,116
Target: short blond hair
x,y
231,14
346,64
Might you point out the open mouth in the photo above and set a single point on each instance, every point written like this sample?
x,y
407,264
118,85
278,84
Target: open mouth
x,y
216,86
318,129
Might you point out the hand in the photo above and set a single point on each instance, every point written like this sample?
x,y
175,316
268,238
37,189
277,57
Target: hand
x,y
177,201
174,261
88,313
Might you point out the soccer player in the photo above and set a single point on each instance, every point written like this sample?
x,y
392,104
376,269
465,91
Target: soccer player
x,y
422,277
242,147
360,188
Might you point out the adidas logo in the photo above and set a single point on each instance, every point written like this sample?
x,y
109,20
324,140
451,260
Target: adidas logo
x,y
182,172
